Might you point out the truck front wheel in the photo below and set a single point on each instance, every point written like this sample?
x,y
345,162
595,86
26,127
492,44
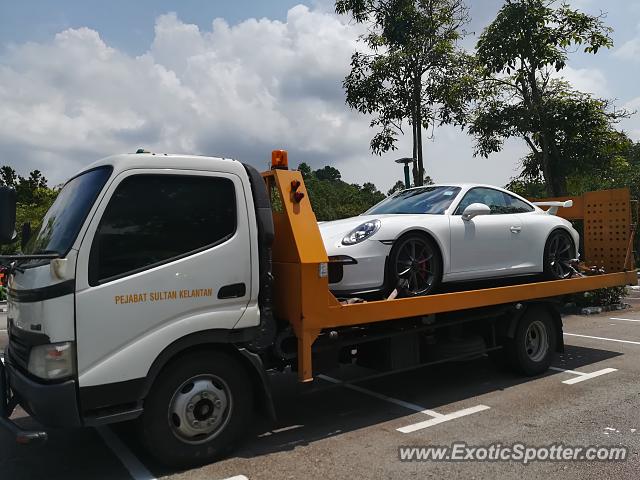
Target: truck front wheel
x,y
197,410
532,349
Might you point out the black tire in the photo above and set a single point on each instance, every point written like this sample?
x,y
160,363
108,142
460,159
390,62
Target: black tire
x,y
558,250
423,268
158,425
526,356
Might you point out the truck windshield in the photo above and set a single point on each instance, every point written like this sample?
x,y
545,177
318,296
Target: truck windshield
x,y
64,219
431,199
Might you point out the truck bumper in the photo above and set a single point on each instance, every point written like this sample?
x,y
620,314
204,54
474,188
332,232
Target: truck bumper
x,y
52,405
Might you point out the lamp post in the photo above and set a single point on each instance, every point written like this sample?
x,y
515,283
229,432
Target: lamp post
x,y
406,161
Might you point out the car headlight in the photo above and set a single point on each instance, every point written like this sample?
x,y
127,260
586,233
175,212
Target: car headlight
x,y
52,361
361,232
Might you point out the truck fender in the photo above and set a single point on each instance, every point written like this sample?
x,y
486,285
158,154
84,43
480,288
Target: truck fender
x,y
551,307
224,340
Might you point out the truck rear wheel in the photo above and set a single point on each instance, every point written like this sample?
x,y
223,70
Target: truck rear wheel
x,y
197,410
532,349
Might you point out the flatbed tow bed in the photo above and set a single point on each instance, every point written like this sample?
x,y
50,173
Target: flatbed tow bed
x,y
299,258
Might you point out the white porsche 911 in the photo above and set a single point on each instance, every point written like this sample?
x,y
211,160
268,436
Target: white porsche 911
x,y
426,235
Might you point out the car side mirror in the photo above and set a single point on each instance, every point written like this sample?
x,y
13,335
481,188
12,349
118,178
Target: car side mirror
x,y
7,215
474,210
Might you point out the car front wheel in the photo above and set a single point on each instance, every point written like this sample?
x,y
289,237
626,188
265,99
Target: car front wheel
x,y
415,262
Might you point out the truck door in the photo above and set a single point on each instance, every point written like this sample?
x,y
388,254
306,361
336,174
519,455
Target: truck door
x,y
167,253
487,245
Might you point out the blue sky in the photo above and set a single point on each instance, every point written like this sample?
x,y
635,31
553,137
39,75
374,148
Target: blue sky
x,y
83,79
124,24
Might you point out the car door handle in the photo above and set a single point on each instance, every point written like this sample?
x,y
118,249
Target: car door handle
x,y
515,229
232,291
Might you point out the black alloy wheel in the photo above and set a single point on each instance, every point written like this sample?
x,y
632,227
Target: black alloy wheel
x,y
416,260
558,253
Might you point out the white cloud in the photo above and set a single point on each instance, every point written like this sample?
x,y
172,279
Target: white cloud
x,y
237,91
630,50
589,80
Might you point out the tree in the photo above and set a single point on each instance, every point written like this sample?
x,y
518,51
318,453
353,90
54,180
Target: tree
x,y
521,50
8,176
327,173
33,199
413,70
332,198
398,187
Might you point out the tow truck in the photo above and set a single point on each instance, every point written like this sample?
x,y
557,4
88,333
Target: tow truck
x,y
166,289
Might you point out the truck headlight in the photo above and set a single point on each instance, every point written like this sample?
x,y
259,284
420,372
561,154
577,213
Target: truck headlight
x,y
361,232
53,361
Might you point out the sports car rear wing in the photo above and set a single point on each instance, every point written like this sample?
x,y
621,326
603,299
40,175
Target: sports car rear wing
x,y
553,206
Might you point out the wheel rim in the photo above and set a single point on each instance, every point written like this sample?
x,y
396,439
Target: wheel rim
x,y
200,408
559,255
536,341
415,263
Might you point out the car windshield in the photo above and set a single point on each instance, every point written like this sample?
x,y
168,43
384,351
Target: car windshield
x,y
430,199
64,219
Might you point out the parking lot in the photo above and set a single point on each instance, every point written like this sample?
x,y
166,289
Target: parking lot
x,y
333,430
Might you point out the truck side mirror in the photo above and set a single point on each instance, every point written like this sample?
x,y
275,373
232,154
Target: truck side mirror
x,y
474,210
7,215
25,235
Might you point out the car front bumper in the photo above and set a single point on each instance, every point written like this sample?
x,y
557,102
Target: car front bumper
x,y
367,275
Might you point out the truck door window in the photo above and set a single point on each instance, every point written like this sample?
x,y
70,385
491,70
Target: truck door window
x,y
153,219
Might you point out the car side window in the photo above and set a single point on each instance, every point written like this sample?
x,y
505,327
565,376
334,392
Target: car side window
x,y
515,205
152,219
494,199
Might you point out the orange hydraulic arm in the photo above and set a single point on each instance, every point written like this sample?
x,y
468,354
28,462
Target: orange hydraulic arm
x,y
302,296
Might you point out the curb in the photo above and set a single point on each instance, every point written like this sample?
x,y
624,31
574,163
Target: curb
x,y
572,309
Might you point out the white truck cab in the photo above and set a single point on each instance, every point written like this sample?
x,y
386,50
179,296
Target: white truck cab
x,y
141,256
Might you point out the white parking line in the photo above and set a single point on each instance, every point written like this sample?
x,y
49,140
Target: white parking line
x,y
402,403
624,319
602,338
135,467
582,376
442,419
587,376
558,369
237,477
437,417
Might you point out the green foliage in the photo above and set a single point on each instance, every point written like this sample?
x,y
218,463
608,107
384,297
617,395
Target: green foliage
x,y
531,37
398,187
600,298
33,199
623,170
413,70
567,131
332,198
328,173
